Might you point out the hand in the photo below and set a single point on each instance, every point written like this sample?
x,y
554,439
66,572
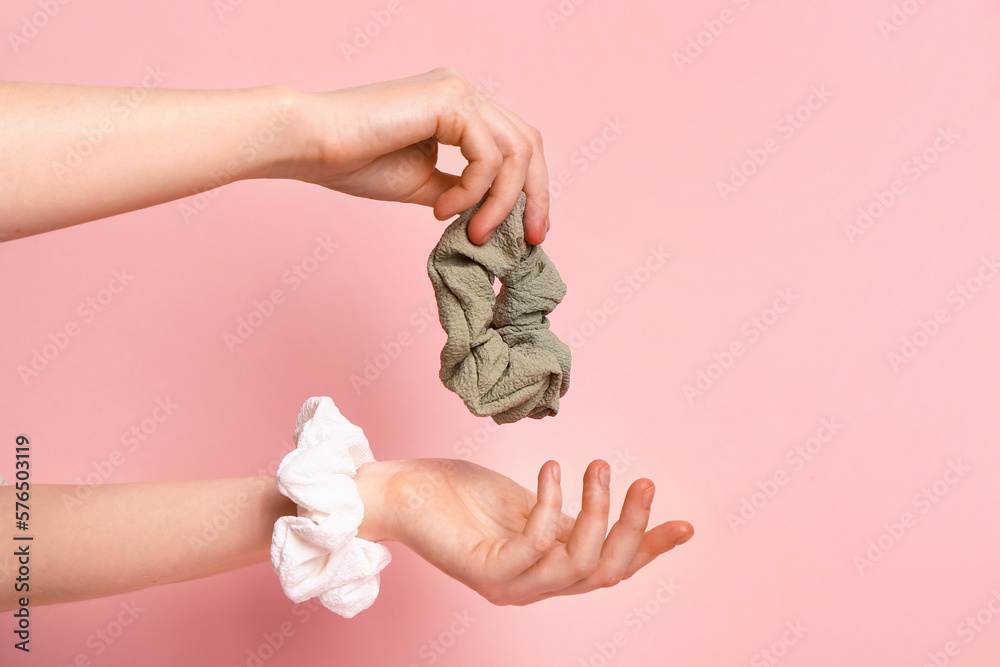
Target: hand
x,y
503,541
380,141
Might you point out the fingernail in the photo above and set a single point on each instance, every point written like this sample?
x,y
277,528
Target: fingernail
x,y
547,224
683,538
605,476
556,473
647,497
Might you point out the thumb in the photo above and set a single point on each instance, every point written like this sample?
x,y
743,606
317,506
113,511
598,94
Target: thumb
x,y
436,185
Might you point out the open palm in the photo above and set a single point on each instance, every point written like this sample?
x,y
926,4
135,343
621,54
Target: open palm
x,y
515,547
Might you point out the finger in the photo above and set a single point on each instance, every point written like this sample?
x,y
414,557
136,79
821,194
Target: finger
x,y
539,535
564,566
659,540
584,546
536,185
479,147
506,187
412,163
623,540
566,524
436,185
622,543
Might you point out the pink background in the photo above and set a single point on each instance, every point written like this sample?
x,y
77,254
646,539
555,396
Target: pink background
x,y
672,132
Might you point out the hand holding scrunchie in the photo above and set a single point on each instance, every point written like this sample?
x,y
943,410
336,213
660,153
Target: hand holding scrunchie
x,y
500,356
317,552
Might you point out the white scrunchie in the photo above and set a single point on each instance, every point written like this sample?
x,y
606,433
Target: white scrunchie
x,y
317,552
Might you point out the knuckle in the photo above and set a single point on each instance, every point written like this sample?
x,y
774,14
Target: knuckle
x,y
535,137
584,568
523,150
493,160
609,579
446,72
499,600
456,89
543,543
455,85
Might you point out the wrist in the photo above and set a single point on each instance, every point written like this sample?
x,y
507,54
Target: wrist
x,y
374,482
277,144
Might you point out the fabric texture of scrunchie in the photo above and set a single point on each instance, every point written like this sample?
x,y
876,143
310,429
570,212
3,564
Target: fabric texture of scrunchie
x,y
318,553
500,356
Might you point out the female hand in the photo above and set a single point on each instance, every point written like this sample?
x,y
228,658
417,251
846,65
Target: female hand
x,y
78,153
503,541
380,141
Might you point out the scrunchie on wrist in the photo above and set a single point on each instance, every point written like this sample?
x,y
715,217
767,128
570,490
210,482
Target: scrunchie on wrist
x,y
318,553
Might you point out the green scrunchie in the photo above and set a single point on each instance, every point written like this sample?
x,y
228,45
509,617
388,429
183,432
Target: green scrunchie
x,y
500,356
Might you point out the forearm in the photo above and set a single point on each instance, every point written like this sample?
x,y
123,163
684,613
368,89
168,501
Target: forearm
x,y
124,537
70,154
